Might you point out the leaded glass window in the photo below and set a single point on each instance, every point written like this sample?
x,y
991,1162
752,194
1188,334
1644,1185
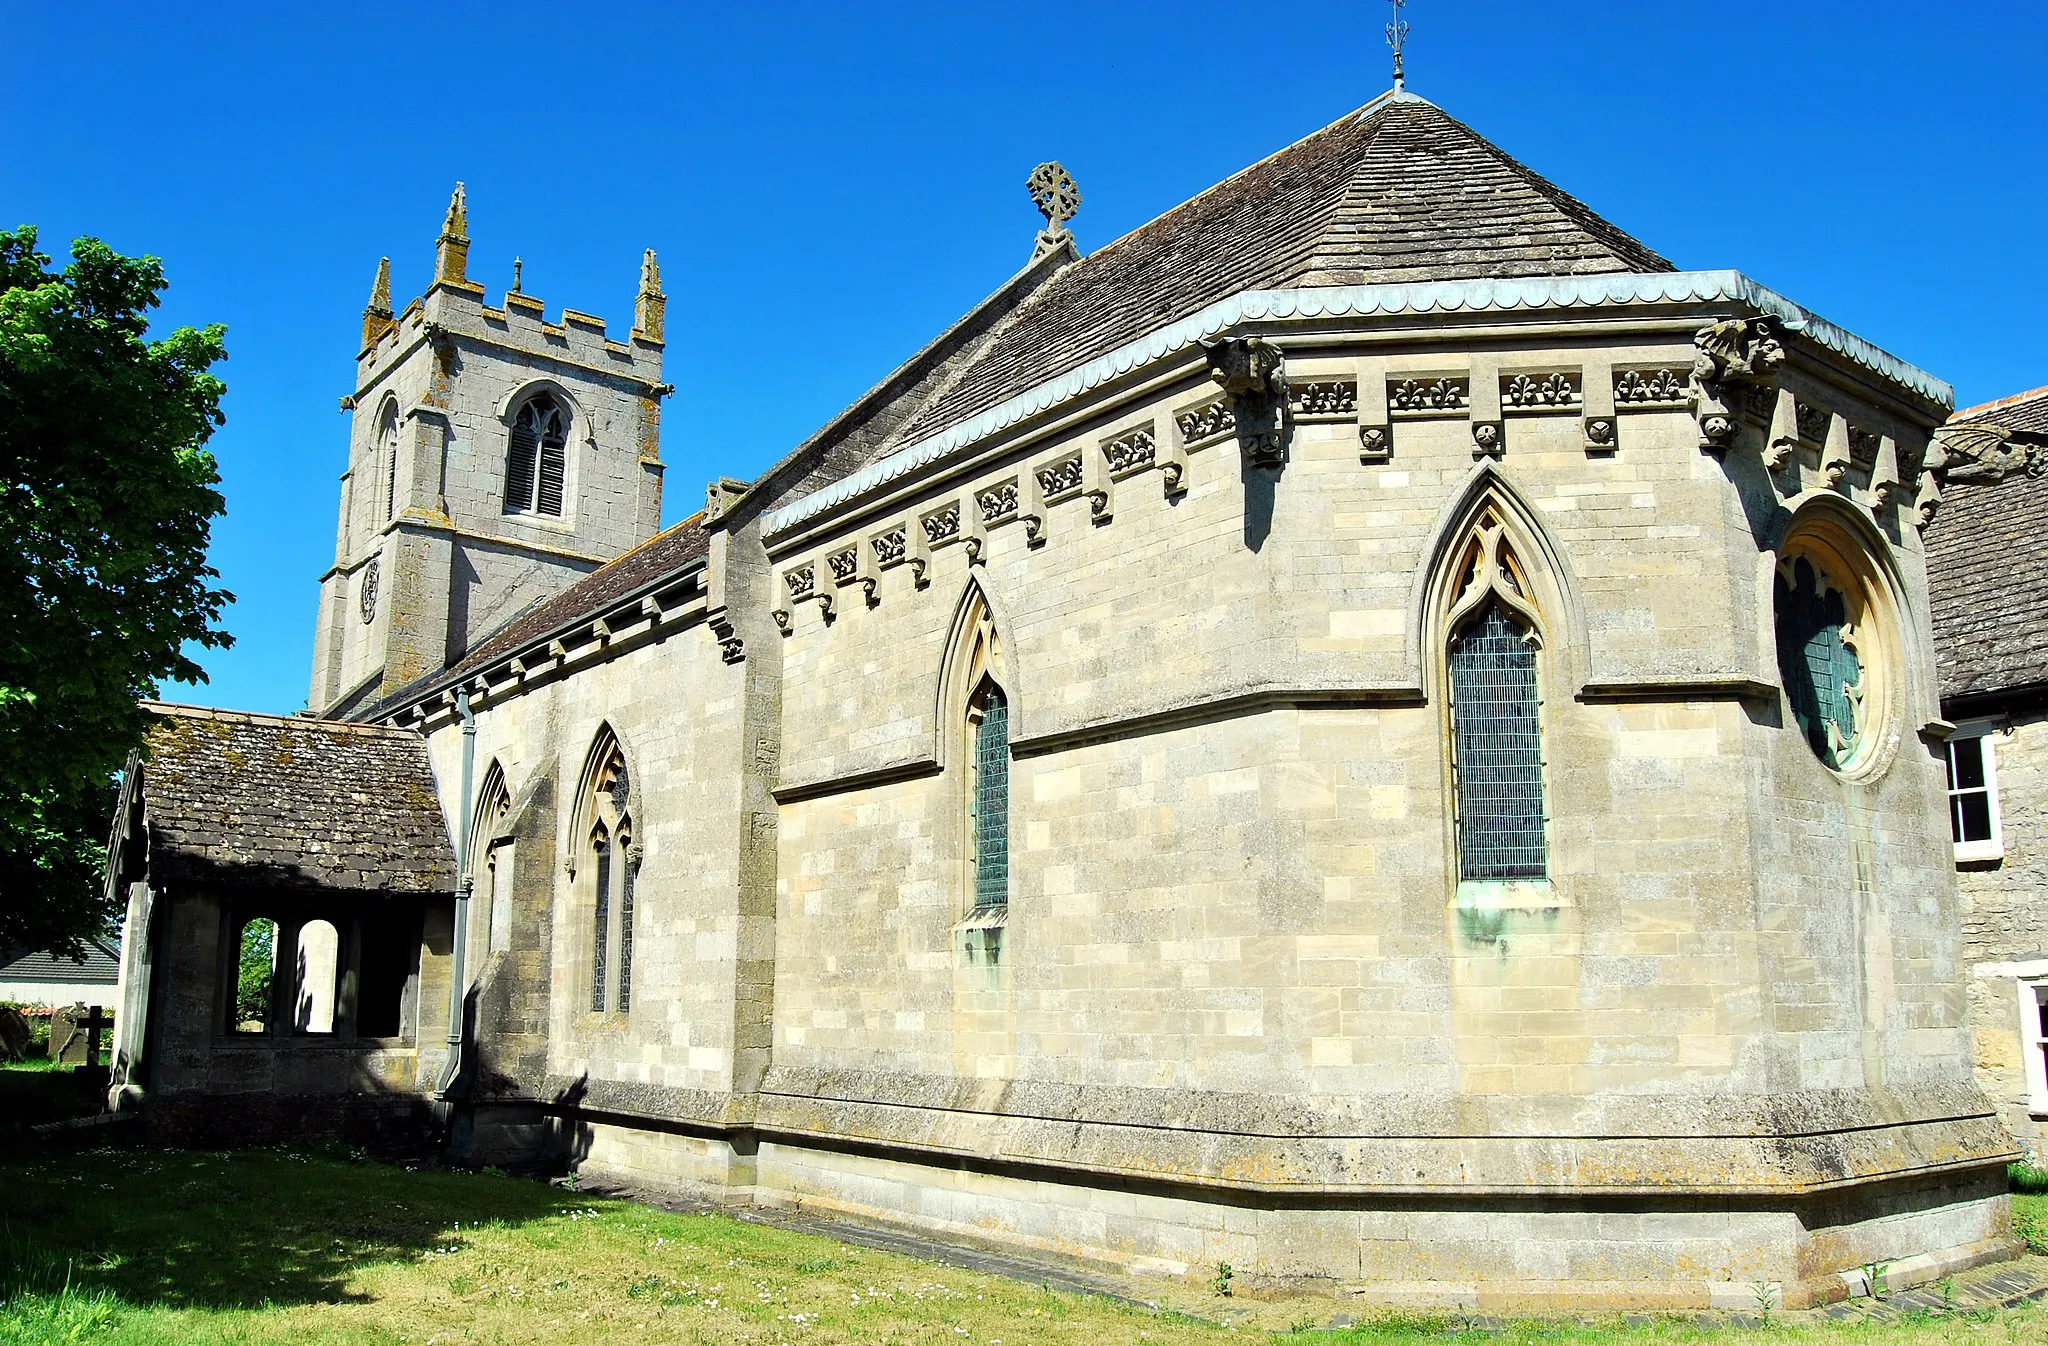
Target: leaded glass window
x,y
602,845
1497,749
626,869
1817,662
989,801
536,460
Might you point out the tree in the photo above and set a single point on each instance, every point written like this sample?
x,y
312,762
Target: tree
x,y
107,500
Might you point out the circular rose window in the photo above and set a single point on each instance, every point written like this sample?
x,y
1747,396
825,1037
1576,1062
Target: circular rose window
x,y
1822,658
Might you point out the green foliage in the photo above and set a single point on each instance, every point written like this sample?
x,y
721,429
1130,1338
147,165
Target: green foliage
x,y
2030,1222
1219,1283
107,502
2029,1179
258,965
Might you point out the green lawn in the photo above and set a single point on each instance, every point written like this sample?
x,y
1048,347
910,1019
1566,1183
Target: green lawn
x,y
282,1246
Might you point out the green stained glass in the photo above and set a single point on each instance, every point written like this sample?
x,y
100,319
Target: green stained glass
x,y
992,803
1823,679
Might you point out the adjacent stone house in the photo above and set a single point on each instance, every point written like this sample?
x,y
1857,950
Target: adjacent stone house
x,y
1988,576
1371,729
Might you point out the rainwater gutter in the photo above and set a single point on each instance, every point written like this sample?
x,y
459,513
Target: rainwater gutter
x,y
458,971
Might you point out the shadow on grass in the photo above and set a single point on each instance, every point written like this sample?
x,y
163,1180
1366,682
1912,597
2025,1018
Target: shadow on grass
x,y
35,1092
243,1229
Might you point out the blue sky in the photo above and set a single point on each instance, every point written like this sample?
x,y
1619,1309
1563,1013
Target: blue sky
x,y
828,186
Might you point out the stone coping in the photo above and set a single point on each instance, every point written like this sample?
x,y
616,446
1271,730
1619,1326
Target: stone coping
x,y
1337,301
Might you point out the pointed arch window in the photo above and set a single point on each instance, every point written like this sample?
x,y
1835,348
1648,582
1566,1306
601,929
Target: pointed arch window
x,y
614,862
1496,726
988,796
975,680
536,459
387,441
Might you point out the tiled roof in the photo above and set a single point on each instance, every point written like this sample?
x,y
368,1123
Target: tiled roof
x,y
1987,560
101,966
285,803
666,553
1396,191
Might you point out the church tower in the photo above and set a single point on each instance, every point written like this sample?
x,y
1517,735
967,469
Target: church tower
x,y
494,458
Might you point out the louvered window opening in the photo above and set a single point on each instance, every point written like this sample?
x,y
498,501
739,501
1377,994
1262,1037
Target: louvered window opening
x,y
1498,751
992,803
537,460
390,468
1821,674
604,924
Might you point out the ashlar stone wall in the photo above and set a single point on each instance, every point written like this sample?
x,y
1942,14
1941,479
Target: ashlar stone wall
x,y
2005,930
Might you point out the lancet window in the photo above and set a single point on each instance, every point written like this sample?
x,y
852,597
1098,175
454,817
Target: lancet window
x,y
1496,730
536,461
614,863
387,445
977,674
988,795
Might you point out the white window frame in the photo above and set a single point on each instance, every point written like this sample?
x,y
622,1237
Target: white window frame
x,y
1994,847
2034,1043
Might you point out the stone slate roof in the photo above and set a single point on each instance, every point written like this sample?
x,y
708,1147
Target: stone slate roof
x,y
1396,191
1987,563
285,803
666,553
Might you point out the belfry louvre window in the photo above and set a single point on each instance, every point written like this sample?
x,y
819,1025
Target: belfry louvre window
x,y
1497,750
388,438
536,459
989,800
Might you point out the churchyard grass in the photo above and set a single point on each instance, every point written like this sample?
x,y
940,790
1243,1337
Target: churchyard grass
x,y
133,1245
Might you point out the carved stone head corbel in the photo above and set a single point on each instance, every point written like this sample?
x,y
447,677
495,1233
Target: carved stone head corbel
x,y
1730,354
1252,373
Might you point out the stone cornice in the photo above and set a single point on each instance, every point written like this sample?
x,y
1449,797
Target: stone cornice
x,y
1341,301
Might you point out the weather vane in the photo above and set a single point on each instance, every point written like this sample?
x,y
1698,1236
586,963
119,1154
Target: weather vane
x,y
1397,36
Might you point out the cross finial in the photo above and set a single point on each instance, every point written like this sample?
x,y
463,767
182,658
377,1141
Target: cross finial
x,y
1057,198
1397,37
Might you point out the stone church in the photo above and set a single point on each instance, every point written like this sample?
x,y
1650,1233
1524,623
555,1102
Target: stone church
x,y
1371,729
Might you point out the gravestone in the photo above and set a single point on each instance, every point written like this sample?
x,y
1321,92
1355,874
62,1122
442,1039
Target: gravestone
x,y
15,1034
69,1038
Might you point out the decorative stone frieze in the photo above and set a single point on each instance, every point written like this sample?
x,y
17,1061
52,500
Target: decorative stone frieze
x,y
802,581
1540,392
1323,399
1418,397
845,565
888,547
1733,355
1056,481
1252,373
942,525
997,503
1813,422
1648,388
1131,452
1210,421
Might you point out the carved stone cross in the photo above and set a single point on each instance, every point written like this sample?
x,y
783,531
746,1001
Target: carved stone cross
x,y
1057,198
